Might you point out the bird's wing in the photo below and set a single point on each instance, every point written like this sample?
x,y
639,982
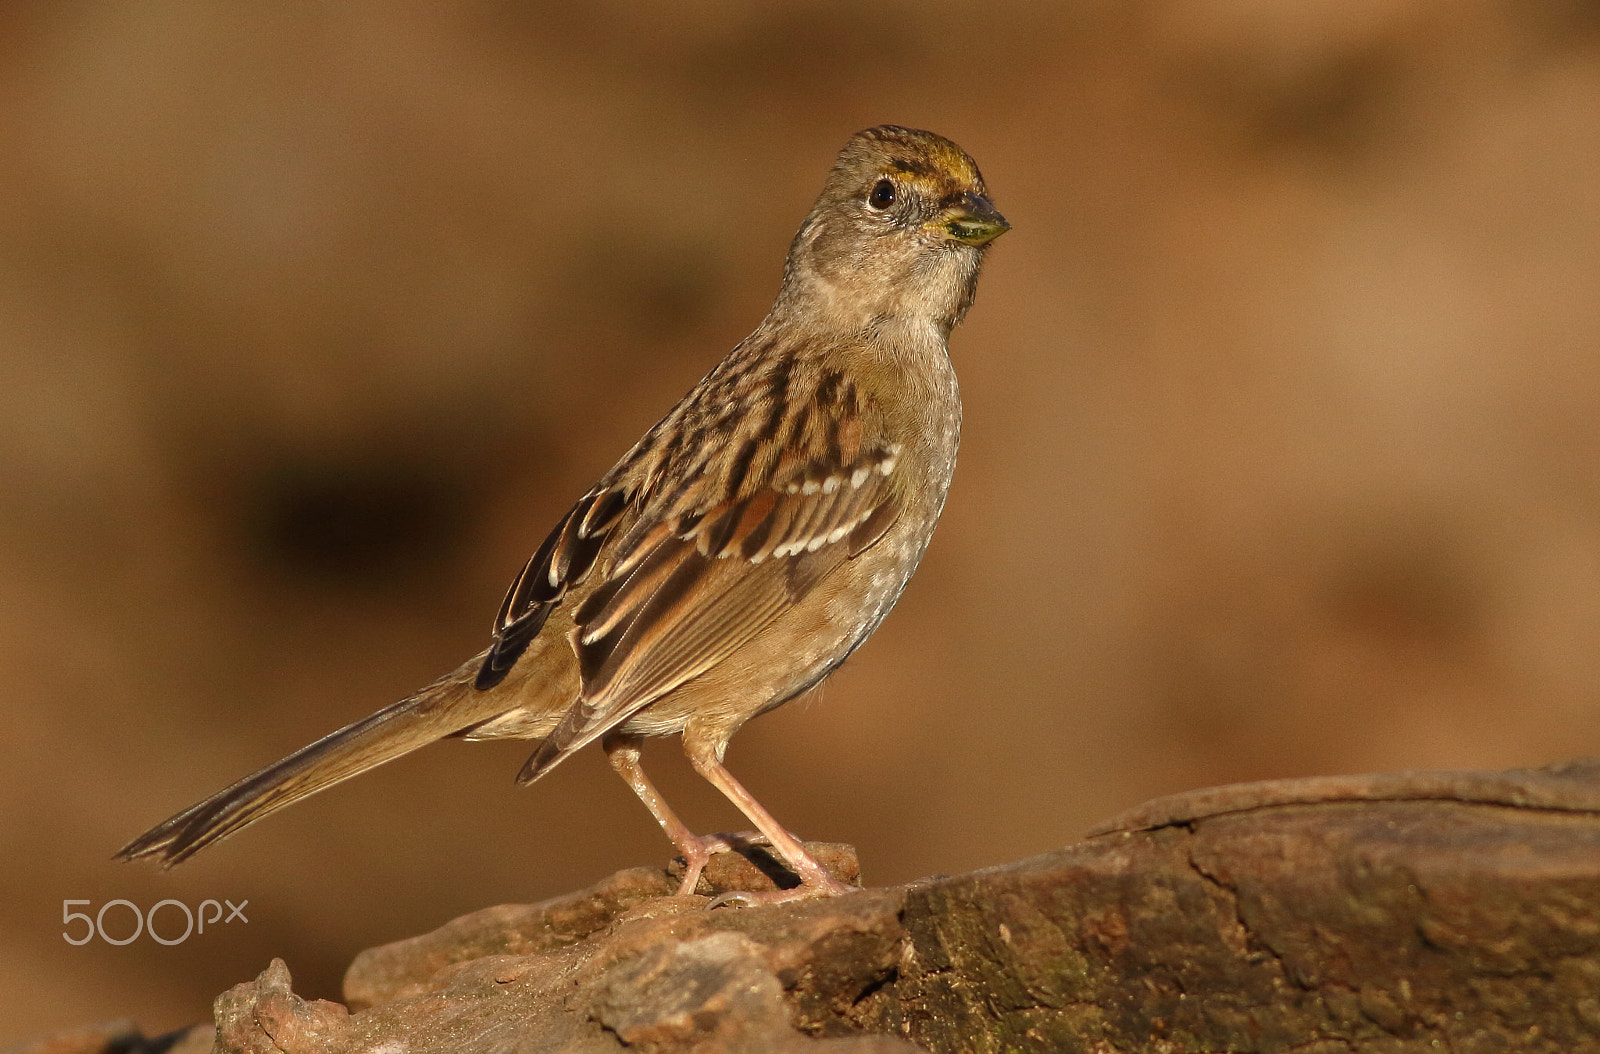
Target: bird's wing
x,y
706,568
563,561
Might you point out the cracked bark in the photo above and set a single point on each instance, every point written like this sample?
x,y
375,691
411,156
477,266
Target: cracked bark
x,y
1393,913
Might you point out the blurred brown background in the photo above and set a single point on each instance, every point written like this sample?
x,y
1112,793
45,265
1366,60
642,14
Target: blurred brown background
x,y
1282,451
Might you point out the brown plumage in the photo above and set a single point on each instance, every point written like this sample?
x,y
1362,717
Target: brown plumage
x,y
745,546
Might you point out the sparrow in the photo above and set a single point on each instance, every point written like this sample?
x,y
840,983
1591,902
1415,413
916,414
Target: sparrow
x,y
744,547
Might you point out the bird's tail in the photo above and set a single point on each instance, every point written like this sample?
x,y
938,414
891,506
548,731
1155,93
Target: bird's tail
x,y
445,707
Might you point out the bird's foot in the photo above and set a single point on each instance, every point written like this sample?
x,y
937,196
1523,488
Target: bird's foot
x,y
698,852
823,886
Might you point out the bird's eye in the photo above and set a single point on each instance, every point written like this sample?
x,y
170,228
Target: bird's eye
x,y
882,195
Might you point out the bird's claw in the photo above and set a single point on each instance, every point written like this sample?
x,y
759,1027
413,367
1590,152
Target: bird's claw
x,y
696,855
750,898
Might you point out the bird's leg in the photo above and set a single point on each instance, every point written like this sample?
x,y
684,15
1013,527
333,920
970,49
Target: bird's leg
x,y
815,881
623,751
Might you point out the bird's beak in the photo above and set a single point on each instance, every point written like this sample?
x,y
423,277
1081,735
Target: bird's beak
x,y
973,221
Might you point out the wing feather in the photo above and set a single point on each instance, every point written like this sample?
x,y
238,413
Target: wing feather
x,y
561,562
704,568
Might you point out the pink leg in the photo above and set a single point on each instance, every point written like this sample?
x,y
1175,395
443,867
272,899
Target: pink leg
x,y
815,881
623,752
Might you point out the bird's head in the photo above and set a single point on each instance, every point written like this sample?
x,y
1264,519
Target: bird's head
x,y
898,233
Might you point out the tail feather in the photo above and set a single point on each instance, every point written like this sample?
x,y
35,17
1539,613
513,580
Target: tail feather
x,y
444,708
